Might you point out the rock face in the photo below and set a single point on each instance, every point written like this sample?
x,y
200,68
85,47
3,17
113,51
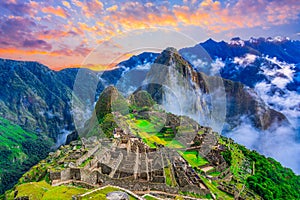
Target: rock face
x,y
193,89
72,137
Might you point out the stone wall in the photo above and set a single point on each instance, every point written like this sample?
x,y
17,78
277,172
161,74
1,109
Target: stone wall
x,y
55,175
87,155
65,175
194,189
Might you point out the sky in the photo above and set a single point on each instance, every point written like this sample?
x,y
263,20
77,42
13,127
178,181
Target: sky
x,y
66,33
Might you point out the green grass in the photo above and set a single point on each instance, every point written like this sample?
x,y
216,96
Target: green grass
x,y
145,126
34,190
149,133
175,144
19,150
44,191
192,158
63,192
215,174
170,179
237,159
101,194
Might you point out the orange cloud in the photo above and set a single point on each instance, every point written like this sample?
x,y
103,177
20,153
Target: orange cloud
x,y
55,34
112,8
25,52
212,16
90,8
134,15
58,11
87,28
67,4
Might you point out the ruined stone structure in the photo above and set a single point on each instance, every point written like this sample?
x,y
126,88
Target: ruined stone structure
x,y
129,163
133,166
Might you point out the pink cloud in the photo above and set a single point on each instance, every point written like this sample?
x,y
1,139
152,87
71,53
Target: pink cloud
x,y
58,11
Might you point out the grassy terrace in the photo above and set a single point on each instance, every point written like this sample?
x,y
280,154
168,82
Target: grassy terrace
x,y
192,158
145,126
151,133
44,191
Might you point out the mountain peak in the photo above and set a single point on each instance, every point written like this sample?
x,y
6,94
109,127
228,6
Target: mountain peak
x,y
237,41
209,41
171,50
168,56
109,101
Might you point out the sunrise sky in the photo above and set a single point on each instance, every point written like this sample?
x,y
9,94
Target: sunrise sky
x,y
62,33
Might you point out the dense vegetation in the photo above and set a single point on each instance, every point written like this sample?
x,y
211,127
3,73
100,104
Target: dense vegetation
x,y
19,150
269,179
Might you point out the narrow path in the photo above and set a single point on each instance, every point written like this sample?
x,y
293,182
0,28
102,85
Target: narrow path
x,y
163,193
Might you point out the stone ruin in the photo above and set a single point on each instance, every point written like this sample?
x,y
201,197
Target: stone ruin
x,y
129,163
133,166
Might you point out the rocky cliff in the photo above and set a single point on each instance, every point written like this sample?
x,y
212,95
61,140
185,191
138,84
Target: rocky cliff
x,y
172,79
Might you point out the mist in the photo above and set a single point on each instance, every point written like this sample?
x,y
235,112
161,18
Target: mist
x,y
279,142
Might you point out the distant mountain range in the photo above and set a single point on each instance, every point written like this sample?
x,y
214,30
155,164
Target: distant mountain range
x,y
270,66
39,99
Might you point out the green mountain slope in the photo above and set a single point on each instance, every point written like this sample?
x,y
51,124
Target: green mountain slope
x,y
19,150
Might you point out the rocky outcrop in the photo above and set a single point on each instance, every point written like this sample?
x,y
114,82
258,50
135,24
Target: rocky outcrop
x,y
72,137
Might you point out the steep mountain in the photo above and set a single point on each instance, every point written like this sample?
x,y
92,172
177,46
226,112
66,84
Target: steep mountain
x,y
270,67
109,101
199,96
34,97
246,61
